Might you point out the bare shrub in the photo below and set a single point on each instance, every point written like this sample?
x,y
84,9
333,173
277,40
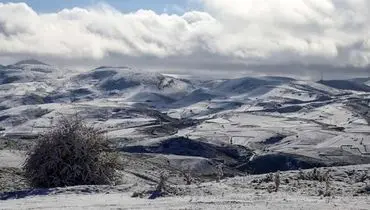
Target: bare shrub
x,y
269,177
140,194
162,182
161,188
266,179
219,172
326,179
271,188
277,180
187,176
301,174
361,177
315,175
70,154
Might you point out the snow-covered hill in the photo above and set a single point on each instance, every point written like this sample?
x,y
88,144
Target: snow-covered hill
x,y
166,122
248,109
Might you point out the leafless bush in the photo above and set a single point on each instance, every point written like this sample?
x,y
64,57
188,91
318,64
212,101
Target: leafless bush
x,y
188,177
326,179
219,172
70,154
266,179
314,175
361,177
301,174
140,194
162,182
277,181
271,188
269,177
161,188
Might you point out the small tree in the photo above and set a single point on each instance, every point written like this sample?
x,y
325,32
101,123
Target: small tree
x,y
70,154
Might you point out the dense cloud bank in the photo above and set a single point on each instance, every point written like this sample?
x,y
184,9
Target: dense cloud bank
x,y
234,32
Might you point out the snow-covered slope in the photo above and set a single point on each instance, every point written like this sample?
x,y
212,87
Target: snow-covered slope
x,y
166,123
263,114
347,85
122,78
28,71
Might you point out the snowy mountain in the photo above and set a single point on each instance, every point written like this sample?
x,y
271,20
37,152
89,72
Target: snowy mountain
x,y
347,85
250,124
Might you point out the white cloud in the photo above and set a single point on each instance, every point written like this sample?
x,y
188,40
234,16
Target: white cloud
x,y
234,31
306,28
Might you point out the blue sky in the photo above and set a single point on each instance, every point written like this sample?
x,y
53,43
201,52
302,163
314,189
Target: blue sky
x,y
171,6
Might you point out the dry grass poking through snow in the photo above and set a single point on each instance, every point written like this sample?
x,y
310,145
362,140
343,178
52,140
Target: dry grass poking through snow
x,y
71,154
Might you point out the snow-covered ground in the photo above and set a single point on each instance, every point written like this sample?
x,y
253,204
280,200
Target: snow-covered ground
x,y
247,200
345,191
11,158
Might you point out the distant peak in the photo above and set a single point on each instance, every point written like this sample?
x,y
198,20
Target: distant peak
x,y
112,67
31,61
